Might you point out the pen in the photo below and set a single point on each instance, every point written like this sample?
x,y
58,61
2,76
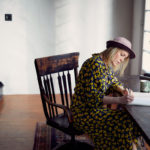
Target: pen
x,y
128,91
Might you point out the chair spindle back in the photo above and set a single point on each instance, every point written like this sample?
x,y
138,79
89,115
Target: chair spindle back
x,y
47,68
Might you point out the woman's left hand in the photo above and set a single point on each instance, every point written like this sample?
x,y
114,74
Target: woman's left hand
x,y
128,92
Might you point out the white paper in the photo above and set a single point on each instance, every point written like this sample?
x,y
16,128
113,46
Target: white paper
x,y
141,98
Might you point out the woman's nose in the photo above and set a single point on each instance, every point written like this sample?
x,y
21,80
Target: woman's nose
x,y
122,59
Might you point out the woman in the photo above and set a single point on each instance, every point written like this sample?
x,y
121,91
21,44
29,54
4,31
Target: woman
x,y
108,128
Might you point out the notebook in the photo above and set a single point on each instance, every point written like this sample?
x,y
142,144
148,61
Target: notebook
x,y
141,98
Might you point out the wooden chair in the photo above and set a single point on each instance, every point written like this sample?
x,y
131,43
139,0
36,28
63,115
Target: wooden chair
x,y
61,66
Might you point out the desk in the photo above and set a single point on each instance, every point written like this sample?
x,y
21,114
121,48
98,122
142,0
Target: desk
x,y
141,115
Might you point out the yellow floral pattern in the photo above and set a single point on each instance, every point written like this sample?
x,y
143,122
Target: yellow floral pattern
x,y
109,129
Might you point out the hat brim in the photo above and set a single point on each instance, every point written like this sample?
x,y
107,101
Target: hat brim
x,y
121,46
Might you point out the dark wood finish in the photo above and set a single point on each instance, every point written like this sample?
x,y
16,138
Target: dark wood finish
x,y
60,66
141,115
47,68
57,63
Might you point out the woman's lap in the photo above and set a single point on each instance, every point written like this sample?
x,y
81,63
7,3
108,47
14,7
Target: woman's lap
x,y
108,127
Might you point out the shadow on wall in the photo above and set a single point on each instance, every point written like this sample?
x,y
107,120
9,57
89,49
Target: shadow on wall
x,y
122,21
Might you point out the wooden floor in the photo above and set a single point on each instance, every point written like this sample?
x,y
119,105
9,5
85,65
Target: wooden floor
x,y
18,117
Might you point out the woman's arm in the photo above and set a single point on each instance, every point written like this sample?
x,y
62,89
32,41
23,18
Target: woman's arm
x,y
126,96
118,100
120,89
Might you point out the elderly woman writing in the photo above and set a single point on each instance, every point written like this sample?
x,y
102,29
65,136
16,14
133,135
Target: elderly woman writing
x,y
109,129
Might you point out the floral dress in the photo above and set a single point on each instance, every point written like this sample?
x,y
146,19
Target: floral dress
x,y
109,129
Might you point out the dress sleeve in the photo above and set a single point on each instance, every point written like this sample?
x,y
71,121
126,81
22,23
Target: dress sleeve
x,y
94,84
114,82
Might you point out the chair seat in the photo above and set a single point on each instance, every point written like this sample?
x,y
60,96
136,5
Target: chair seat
x,y
61,122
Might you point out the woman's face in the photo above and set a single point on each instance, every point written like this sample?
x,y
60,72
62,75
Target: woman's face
x,y
119,57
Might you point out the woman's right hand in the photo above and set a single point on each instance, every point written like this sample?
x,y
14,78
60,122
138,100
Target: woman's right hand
x,y
126,99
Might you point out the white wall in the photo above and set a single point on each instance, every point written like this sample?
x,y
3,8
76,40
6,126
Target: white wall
x,y
47,27
86,25
29,35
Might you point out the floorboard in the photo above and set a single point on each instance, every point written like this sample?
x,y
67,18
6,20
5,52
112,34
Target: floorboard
x,y
18,117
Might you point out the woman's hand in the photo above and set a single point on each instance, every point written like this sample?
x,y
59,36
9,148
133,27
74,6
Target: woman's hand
x,y
128,96
124,91
128,92
126,99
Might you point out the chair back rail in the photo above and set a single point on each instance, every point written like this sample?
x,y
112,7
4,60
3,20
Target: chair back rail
x,y
57,63
60,66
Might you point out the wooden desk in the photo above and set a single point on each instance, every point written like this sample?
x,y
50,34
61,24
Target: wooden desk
x,y
141,115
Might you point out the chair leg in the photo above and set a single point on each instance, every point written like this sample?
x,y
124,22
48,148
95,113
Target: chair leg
x,y
72,138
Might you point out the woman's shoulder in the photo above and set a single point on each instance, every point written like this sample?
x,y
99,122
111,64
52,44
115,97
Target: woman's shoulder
x,y
95,60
